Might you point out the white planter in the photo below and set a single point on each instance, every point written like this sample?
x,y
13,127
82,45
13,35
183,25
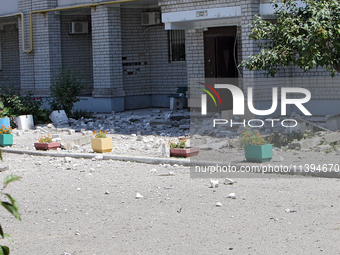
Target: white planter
x,y
25,122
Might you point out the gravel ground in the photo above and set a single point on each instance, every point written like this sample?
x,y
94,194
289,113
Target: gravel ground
x,y
89,207
92,209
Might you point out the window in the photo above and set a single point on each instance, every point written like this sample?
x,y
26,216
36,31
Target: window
x,y
176,45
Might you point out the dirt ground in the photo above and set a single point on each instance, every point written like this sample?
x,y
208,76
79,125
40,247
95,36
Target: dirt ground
x,y
92,209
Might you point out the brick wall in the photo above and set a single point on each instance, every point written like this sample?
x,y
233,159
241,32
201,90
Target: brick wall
x,y
194,48
188,5
10,73
135,56
107,52
165,76
146,67
77,50
38,68
246,47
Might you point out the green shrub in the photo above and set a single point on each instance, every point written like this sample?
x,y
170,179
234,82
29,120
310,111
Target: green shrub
x,y
65,90
13,104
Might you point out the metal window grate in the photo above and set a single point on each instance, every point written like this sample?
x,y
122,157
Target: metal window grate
x,y
176,45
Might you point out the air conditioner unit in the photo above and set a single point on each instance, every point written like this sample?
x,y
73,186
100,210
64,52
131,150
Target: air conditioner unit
x,y
151,18
79,27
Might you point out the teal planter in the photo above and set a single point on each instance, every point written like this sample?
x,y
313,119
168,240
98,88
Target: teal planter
x,y
5,122
259,153
6,140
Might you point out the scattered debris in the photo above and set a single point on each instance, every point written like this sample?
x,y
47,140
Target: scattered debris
x,y
67,159
98,157
232,195
312,124
228,181
4,168
214,183
138,196
168,174
333,122
59,117
321,148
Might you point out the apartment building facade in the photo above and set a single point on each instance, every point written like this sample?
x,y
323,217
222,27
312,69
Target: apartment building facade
x,y
134,54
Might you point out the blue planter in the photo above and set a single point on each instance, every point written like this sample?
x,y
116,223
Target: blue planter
x,y
5,122
259,153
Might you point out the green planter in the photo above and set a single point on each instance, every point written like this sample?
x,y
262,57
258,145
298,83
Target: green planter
x,y
6,140
259,153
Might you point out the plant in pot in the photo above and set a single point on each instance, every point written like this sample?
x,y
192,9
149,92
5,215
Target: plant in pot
x,y
256,148
45,143
179,149
6,137
101,143
23,109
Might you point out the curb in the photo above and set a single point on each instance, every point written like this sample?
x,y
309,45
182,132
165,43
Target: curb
x,y
147,160
172,161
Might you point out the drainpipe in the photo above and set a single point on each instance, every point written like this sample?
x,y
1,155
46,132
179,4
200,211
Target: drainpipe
x,y
66,8
21,16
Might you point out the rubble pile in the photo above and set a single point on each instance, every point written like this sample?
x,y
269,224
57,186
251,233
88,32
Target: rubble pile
x,y
141,122
146,132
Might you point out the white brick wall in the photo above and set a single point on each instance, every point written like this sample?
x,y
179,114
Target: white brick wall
x,y
146,67
246,47
10,73
38,68
123,58
77,49
107,52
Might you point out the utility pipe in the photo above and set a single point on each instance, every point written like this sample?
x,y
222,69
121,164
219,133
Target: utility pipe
x,y
20,15
67,8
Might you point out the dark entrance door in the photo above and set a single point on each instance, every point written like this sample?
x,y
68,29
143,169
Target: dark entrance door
x,y
219,61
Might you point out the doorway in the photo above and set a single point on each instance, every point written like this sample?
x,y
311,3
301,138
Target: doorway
x,y
220,56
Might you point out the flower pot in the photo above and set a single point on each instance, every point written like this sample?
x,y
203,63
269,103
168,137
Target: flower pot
x,y
6,140
259,153
188,152
5,121
47,146
101,144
